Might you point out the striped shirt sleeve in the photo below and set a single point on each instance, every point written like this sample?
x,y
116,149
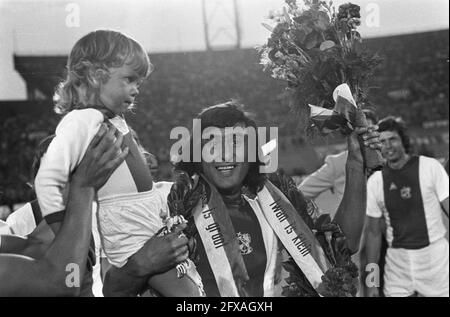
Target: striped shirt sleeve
x,y
374,190
440,177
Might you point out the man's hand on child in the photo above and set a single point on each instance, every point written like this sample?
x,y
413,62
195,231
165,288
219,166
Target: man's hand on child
x,y
102,157
160,254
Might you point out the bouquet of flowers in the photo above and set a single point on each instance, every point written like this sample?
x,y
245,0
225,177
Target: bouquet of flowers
x,y
315,49
318,52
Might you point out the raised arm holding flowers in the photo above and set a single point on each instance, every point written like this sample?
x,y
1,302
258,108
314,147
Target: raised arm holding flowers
x,y
319,53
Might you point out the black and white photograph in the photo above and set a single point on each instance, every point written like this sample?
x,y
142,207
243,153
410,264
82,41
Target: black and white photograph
x,y
224,148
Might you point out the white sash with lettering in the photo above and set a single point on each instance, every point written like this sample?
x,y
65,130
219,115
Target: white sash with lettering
x,y
217,256
289,227
294,242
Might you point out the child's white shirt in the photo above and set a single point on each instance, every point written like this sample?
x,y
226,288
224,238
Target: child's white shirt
x,y
129,208
65,152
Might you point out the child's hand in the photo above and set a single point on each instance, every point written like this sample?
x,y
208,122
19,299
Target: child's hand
x,y
102,157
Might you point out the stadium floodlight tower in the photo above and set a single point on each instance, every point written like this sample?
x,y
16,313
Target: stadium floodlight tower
x,y
221,24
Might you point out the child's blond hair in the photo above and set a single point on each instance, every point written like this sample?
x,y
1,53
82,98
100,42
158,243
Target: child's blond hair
x,y
98,50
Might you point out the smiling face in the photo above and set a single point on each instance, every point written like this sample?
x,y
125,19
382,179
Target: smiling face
x,y
120,90
228,172
392,147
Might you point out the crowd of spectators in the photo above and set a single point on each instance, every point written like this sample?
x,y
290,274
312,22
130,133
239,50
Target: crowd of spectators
x,y
20,132
412,81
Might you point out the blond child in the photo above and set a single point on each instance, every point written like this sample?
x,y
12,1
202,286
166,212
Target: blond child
x,y
104,71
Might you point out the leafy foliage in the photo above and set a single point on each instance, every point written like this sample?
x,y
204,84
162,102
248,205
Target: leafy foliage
x,y
184,195
315,49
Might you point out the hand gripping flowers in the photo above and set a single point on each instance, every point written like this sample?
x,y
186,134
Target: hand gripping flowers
x,y
318,52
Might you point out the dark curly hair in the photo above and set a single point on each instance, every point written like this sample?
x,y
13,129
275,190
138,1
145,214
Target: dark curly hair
x,y
396,124
221,116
